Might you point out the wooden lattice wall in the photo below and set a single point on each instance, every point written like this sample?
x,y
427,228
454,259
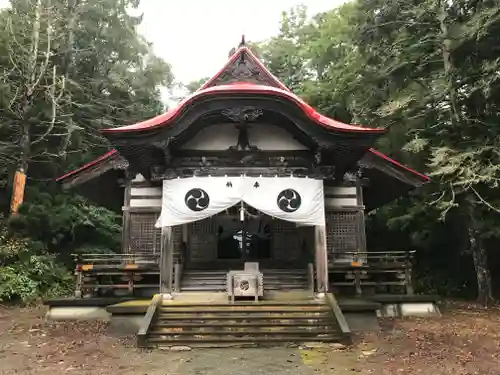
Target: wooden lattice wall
x,y
145,238
202,241
285,241
344,232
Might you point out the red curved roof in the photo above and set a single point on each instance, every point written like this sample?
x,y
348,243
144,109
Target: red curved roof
x,y
245,88
402,166
84,167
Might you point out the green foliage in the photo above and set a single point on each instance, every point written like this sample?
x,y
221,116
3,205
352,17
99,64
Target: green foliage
x,y
36,245
428,71
67,70
27,272
66,221
192,86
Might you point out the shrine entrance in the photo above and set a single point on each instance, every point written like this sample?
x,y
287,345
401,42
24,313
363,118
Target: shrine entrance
x,y
243,233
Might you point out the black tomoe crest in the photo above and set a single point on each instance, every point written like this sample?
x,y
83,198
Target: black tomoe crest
x,y
197,199
289,200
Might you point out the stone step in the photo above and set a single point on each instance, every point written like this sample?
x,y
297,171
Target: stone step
x,y
245,337
266,323
276,321
170,335
235,342
267,285
266,277
243,309
237,316
222,288
240,324
204,281
237,330
202,305
266,281
264,271
289,343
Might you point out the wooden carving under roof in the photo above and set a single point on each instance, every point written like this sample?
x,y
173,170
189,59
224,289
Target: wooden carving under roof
x,y
244,67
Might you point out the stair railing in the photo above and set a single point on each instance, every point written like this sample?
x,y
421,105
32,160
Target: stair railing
x,y
339,317
147,321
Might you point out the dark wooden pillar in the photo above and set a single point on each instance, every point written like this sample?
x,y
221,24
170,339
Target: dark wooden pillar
x,y
166,260
321,256
361,220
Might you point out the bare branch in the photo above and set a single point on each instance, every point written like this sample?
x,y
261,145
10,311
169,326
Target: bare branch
x,y
485,202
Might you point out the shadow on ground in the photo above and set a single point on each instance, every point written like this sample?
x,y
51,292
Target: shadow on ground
x,y
466,340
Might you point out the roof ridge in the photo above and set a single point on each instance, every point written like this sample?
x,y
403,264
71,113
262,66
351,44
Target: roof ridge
x,y
244,66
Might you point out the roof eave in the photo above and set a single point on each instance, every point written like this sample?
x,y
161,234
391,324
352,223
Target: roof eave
x,y
168,118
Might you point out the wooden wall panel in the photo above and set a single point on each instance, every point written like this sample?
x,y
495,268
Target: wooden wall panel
x,y
285,241
202,241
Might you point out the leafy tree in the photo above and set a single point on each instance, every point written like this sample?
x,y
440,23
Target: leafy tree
x,y
68,68
427,71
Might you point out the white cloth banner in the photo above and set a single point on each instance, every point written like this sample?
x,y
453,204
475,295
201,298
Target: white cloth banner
x,y
299,200
185,200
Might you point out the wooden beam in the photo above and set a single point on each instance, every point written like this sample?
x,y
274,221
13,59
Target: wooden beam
x,y
142,209
321,257
362,222
323,172
166,260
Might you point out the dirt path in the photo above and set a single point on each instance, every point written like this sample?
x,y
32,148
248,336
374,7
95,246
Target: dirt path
x,y
465,341
280,361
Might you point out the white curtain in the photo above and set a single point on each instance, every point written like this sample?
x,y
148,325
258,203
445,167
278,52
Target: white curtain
x,y
185,200
299,200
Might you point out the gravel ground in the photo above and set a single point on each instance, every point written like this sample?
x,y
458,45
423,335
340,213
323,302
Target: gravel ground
x,y
465,341
243,362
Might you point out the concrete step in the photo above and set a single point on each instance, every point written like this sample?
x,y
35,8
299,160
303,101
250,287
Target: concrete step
x,y
200,333
238,329
240,324
242,317
283,302
265,276
221,341
267,286
246,309
204,281
209,288
222,288
206,288
243,323
264,271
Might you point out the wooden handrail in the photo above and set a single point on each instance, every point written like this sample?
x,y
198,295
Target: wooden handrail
x,y
339,317
147,321
116,258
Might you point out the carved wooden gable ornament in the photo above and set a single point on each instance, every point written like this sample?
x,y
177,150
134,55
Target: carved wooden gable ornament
x,y
244,66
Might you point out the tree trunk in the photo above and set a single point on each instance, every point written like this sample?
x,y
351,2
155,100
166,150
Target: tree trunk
x,y
479,256
68,70
449,70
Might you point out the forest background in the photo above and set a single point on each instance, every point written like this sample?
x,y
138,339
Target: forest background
x,y
429,70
